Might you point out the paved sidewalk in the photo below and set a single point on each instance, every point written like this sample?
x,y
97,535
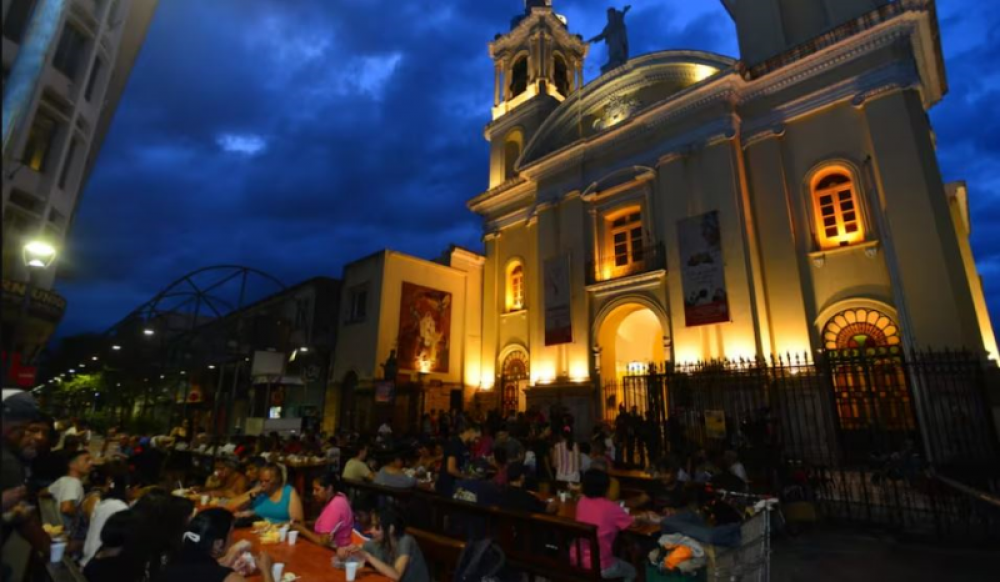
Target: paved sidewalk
x,y
848,556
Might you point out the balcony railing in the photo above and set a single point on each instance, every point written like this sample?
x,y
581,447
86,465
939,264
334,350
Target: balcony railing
x,y
653,258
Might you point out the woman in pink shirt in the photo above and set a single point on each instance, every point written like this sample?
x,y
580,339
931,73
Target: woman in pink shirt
x,y
335,523
610,519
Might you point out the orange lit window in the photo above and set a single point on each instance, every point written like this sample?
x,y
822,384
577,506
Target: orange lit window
x,y
835,204
515,287
626,237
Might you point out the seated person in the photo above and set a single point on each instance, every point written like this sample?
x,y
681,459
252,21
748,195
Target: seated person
x,y
426,459
615,487
501,464
251,469
229,482
392,552
271,499
594,508
515,497
336,523
109,564
357,468
207,552
392,474
669,494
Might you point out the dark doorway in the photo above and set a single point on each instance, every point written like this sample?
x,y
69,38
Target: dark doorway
x,y
456,402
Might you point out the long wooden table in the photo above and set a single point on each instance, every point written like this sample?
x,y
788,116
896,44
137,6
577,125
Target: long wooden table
x,y
305,559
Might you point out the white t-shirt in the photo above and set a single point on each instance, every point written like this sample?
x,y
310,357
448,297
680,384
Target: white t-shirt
x,y
104,510
67,489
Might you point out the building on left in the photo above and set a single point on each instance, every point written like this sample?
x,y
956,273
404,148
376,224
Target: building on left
x,y
53,152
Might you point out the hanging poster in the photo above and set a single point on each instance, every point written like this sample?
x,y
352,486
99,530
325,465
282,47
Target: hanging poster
x,y
702,270
424,329
715,424
558,324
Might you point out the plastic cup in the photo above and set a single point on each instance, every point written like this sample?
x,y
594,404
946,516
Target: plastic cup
x,y
204,500
293,536
277,570
351,569
283,534
58,549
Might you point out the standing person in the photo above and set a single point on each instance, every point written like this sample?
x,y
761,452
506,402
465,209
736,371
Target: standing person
x,y
566,458
456,457
19,410
594,508
357,468
205,546
392,552
514,448
68,489
272,499
335,523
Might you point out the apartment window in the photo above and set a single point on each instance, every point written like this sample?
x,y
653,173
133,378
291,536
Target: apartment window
x,y
68,164
15,22
626,236
515,287
92,81
835,205
40,138
358,307
69,51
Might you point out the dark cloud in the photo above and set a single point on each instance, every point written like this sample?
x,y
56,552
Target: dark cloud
x,y
297,136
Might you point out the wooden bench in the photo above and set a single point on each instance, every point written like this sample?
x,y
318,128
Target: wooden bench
x,y
538,545
441,553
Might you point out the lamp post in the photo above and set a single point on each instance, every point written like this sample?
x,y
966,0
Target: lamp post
x,y
36,254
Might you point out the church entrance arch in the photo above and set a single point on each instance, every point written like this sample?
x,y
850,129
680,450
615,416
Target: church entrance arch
x,y
629,339
513,382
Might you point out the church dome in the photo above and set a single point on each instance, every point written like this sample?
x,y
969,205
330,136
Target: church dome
x,y
641,83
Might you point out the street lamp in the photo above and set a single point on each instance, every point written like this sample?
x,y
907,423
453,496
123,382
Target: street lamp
x,y
38,254
148,332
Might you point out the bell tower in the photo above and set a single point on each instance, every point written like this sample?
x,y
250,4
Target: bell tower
x,y
537,65
769,27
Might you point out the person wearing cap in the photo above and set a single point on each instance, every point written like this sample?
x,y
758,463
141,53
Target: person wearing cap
x,y
515,497
19,446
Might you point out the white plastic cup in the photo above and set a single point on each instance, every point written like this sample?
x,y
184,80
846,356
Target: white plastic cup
x,y
283,534
293,536
58,549
351,568
204,500
277,570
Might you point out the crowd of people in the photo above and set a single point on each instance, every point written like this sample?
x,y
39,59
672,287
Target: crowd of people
x,y
109,496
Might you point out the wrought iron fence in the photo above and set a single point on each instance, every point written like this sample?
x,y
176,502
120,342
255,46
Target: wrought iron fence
x,y
857,429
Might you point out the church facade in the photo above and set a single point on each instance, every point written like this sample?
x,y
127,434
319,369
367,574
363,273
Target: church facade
x,y
686,206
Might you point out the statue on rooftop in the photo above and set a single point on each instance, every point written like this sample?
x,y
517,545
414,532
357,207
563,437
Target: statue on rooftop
x,y
615,35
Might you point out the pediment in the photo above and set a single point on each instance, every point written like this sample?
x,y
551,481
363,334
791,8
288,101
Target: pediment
x,y
612,98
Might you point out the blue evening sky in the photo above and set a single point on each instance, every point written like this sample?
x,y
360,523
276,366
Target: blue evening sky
x,y
297,135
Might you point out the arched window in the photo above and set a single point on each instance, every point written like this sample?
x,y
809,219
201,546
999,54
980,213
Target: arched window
x,y
561,73
511,152
835,205
519,77
515,287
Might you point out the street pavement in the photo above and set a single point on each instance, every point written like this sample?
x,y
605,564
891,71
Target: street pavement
x,y
847,555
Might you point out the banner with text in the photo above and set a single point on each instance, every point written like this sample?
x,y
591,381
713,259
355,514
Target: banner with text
x,y
558,323
703,271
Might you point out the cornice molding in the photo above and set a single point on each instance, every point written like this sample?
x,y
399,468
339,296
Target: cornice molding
x,y
647,280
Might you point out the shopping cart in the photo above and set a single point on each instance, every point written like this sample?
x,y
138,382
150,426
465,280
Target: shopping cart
x,y
751,560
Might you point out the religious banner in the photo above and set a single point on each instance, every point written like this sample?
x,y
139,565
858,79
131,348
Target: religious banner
x,y
702,270
558,323
424,329
385,392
